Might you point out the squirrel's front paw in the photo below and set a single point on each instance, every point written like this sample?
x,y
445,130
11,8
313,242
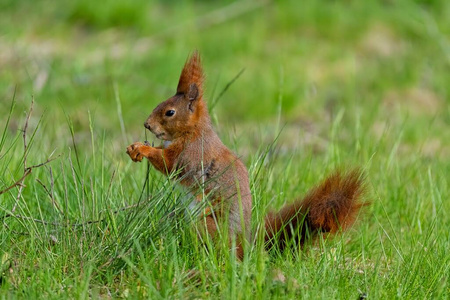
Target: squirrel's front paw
x,y
134,151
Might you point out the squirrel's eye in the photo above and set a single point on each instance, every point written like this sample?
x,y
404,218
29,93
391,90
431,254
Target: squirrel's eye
x,y
170,113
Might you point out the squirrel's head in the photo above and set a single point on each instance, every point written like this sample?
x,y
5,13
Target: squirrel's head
x,y
185,112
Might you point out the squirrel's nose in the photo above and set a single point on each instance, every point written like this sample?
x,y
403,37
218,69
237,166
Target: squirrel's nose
x,y
146,125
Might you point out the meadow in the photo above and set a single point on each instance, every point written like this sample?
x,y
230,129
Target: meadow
x,y
296,88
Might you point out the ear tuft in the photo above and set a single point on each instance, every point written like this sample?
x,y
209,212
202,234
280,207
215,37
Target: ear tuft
x,y
191,78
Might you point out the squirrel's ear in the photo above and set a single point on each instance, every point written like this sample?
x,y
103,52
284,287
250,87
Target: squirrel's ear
x,y
191,79
192,94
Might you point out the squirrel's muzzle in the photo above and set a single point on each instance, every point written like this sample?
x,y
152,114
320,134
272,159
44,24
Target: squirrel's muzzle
x,y
146,125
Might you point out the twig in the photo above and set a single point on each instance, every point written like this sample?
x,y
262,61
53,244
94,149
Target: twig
x,y
26,170
58,224
25,174
17,183
17,216
44,163
13,231
25,154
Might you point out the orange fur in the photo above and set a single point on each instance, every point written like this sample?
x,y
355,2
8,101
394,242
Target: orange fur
x,y
207,167
330,207
192,72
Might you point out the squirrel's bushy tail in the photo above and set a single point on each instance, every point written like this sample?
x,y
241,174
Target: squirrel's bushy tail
x,y
331,206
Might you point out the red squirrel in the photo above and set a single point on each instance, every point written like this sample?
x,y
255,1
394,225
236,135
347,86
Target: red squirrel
x,y
208,168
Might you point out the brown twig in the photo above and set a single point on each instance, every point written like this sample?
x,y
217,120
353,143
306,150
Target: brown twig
x,y
26,170
25,174
17,183
44,163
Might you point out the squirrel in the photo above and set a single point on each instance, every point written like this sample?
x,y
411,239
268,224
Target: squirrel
x,y
209,169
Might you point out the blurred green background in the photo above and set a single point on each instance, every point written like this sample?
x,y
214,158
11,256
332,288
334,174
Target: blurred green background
x,y
384,62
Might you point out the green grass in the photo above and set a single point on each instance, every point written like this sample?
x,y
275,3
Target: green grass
x,y
348,83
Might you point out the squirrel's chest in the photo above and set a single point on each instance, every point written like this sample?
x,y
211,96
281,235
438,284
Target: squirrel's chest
x,y
196,168
198,171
